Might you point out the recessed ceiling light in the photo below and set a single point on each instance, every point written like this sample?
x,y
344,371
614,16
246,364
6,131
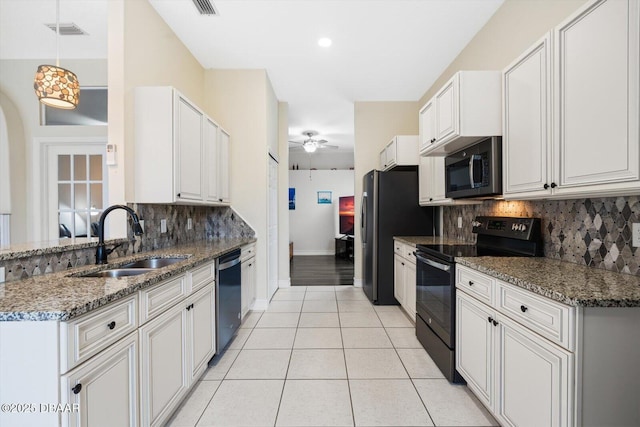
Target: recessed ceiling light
x,y
324,42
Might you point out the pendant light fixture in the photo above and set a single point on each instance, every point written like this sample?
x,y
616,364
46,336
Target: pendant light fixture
x,y
54,85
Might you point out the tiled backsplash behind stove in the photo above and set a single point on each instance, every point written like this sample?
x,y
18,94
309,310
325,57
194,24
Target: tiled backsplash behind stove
x,y
595,232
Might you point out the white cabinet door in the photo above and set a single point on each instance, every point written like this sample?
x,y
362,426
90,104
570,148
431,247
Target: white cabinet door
x,y
597,81
105,388
475,354
534,379
188,123
202,333
438,180
446,99
427,126
224,177
211,164
526,137
425,179
248,288
392,153
398,278
410,289
163,365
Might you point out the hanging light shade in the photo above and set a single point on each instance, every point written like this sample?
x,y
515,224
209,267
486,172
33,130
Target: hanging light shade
x,y
310,147
54,85
57,87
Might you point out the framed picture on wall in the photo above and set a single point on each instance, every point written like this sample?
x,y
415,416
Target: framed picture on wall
x,y
292,199
324,197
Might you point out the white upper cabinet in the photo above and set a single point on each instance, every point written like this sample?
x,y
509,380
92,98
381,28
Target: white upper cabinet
x,y
588,75
526,135
401,151
597,99
467,108
181,155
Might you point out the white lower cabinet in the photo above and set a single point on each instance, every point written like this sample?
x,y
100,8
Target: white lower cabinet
x,y
201,325
104,389
247,277
404,273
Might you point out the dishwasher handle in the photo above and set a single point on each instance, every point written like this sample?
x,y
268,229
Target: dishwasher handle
x,y
229,264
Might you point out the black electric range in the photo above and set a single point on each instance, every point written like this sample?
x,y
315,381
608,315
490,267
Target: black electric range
x,y
436,281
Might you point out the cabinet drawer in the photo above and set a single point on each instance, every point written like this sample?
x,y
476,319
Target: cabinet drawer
x,y
409,253
89,334
161,297
542,315
398,248
247,251
202,275
476,284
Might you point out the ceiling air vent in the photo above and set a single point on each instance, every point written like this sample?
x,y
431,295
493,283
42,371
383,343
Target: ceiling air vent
x,y
68,29
205,7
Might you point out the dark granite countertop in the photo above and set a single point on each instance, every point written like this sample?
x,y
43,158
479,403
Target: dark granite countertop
x,y
61,296
568,283
430,240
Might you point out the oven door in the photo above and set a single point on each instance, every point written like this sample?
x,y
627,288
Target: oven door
x,y
435,298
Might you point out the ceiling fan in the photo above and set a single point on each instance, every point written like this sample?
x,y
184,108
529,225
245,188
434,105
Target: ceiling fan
x,y
310,144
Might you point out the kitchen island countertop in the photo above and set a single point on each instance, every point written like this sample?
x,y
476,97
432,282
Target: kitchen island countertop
x,y
64,296
571,284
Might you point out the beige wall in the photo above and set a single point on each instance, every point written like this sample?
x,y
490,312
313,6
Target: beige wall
x,y
515,26
238,100
375,123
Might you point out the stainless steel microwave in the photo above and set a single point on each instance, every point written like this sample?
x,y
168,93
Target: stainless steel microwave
x,y
475,171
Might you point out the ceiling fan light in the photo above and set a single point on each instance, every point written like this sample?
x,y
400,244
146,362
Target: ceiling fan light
x,y
57,87
310,147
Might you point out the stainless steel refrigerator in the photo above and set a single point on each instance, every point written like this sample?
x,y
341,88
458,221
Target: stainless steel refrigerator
x,y
389,208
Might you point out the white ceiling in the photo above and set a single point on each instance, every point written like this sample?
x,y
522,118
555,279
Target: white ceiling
x,y
383,50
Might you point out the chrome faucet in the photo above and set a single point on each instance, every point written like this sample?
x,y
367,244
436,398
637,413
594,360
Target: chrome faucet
x,y
101,250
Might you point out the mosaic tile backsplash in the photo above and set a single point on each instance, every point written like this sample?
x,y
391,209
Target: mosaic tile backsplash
x,y
208,223
594,232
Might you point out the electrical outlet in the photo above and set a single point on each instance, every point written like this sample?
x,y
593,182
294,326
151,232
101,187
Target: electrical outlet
x,y
459,222
142,224
635,241
1,274
163,226
189,223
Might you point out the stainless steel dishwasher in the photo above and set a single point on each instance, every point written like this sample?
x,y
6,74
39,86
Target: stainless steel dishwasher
x,y
228,303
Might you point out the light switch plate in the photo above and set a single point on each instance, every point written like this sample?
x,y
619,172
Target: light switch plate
x,y
189,223
635,241
163,226
142,224
459,222
1,274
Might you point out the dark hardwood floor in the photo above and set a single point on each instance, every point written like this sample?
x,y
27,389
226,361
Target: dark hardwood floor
x,y
315,270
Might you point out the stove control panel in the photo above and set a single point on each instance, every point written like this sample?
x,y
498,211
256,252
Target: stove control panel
x,y
515,228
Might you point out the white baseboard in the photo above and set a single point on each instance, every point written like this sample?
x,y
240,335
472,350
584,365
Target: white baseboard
x,y
284,283
260,305
357,282
297,252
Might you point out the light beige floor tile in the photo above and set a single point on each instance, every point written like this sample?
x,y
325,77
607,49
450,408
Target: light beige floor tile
x,y
293,289
374,364
393,319
320,306
260,365
240,339
288,296
357,295
318,338
343,288
284,307
221,365
404,337
387,403
418,363
320,296
315,403
360,320
192,408
278,320
365,338
350,306
270,338
319,320
321,288
387,308
246,403
317,364
452,405
250,319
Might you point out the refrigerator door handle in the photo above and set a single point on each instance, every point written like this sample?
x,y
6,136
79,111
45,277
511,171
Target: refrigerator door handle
x,y
363,218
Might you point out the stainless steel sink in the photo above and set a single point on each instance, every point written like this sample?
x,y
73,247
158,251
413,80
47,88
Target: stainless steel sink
x,y
118,272
152,263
